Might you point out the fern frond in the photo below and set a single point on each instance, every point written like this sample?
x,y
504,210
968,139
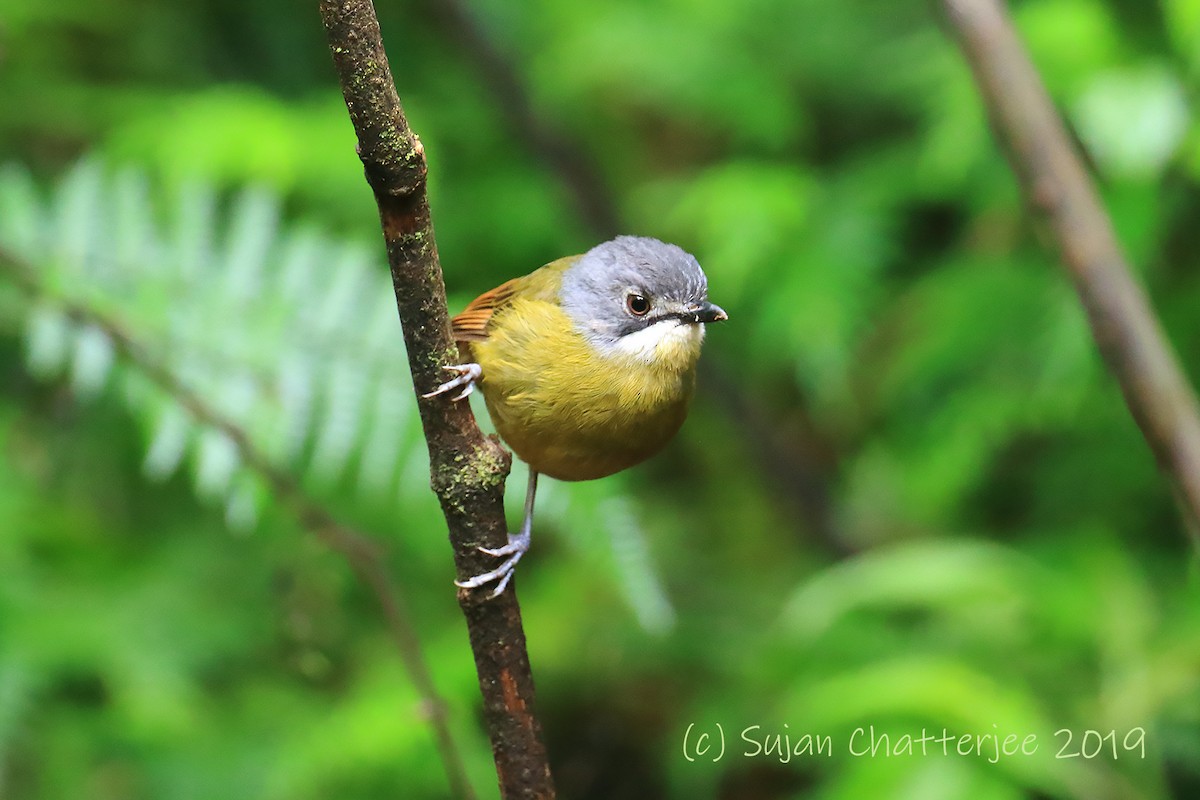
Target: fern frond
x,y
265,324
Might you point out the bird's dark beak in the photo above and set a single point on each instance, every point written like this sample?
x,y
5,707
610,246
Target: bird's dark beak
x,y
706,312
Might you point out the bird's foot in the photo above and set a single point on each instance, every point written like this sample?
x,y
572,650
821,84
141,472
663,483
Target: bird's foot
x,y
518,544
468,374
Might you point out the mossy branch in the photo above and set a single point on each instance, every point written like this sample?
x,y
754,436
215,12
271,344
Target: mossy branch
x,y
468,470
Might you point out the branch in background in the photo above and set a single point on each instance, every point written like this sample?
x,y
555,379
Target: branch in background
x,y
802,479
1057,187
363,554
593,199
468,470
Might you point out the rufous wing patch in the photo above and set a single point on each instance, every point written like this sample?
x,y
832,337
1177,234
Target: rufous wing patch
x,y
471,324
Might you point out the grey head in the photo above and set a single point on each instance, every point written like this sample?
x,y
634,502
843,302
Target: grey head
x,y
631,283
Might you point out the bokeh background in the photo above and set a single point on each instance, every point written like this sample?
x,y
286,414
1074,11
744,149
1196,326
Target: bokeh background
x,y
908,496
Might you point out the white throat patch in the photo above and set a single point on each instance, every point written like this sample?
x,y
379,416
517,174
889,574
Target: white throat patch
x,y
666,339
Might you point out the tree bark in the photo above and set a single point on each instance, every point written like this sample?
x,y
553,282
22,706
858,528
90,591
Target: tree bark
x,y
467,469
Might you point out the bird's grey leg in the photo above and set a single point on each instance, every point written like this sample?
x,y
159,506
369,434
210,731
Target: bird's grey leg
x,y
468,374
518,544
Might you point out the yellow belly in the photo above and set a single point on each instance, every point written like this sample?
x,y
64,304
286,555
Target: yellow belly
x,y
569,412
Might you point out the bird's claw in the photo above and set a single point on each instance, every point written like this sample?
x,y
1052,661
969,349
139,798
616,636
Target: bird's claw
x,y
468,374
517,546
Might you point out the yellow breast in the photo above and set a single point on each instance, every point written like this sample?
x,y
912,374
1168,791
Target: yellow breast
x,y
573,413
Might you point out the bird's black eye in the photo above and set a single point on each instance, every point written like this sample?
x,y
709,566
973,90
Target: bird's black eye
x,y
637,304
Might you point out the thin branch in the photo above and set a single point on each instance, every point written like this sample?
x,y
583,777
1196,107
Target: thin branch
x,y
468,470
362,554
1057,187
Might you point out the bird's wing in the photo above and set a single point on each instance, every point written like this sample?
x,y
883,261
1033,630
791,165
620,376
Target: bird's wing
x,y
471,324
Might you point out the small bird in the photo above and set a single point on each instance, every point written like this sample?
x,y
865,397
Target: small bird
x,y
586,365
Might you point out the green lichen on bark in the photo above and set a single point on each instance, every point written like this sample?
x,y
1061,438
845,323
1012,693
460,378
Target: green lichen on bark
x,y
467,470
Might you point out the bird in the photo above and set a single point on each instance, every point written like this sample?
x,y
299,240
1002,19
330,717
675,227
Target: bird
x,y
586,365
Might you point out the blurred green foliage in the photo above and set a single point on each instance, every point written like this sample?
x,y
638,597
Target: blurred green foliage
x,y
909,496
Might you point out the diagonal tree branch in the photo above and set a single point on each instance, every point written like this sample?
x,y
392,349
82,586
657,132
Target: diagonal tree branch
x,y
468,470
361,553
1057,188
